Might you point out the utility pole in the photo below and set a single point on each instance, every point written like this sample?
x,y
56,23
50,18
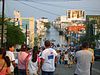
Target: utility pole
x,y
2,30
26,34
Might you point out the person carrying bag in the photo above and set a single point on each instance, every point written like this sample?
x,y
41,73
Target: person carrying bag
x,y
4,63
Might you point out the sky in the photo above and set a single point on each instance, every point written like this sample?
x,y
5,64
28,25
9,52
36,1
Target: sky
x,y
49,8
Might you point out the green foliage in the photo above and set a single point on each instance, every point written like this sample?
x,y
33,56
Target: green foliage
x,y
36,41
90,36
97,37
87,38
15,35
89,29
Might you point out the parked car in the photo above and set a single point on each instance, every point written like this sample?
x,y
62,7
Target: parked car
x,y
97,54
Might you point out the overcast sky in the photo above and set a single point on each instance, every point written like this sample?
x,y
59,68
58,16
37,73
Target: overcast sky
x,y
50,8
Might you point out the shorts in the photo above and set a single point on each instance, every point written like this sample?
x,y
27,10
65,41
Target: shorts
x,y
66,61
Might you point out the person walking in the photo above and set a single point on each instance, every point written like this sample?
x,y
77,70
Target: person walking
x,y
22,59
66,59
4,63
34,62
91,50
48,59
11,56
83,60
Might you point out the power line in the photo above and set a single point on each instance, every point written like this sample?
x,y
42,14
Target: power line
x,y
93,10
39,8
47,4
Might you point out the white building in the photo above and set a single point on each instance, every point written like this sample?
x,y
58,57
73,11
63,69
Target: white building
x,y
30,29
22,22
41,29
61,22
17,16
76,14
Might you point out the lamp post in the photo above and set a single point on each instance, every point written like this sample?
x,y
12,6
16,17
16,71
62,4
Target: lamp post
x,y
2,29
26,34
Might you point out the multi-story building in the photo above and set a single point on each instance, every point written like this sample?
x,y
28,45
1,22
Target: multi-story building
x,y
75,14
27,25
73,23
41,29
61,22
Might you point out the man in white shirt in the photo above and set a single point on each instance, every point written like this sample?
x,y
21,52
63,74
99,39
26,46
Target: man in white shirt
x,y
10,54
83,59
49,57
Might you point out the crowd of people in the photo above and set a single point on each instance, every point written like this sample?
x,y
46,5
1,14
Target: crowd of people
x,y
44,60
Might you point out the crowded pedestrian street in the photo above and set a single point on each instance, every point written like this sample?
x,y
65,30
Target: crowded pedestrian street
x,y
62,70
49,37
54,36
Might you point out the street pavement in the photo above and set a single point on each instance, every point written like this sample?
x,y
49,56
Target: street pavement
x,y
96,68
62,70
53,34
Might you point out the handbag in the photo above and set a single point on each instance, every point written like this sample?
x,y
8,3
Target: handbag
x,y
2,67
8,72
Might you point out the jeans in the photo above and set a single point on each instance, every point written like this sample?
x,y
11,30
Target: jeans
x,y
16,71
22,72
91,69
47,73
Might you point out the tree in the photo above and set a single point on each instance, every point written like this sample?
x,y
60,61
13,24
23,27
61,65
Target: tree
x,y
36,41
89,36
97,36
15,35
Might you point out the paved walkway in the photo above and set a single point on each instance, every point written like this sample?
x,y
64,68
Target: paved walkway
x,y
62,70
54,35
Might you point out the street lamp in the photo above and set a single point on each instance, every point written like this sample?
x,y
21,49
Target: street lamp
x,y
26,34
2,29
